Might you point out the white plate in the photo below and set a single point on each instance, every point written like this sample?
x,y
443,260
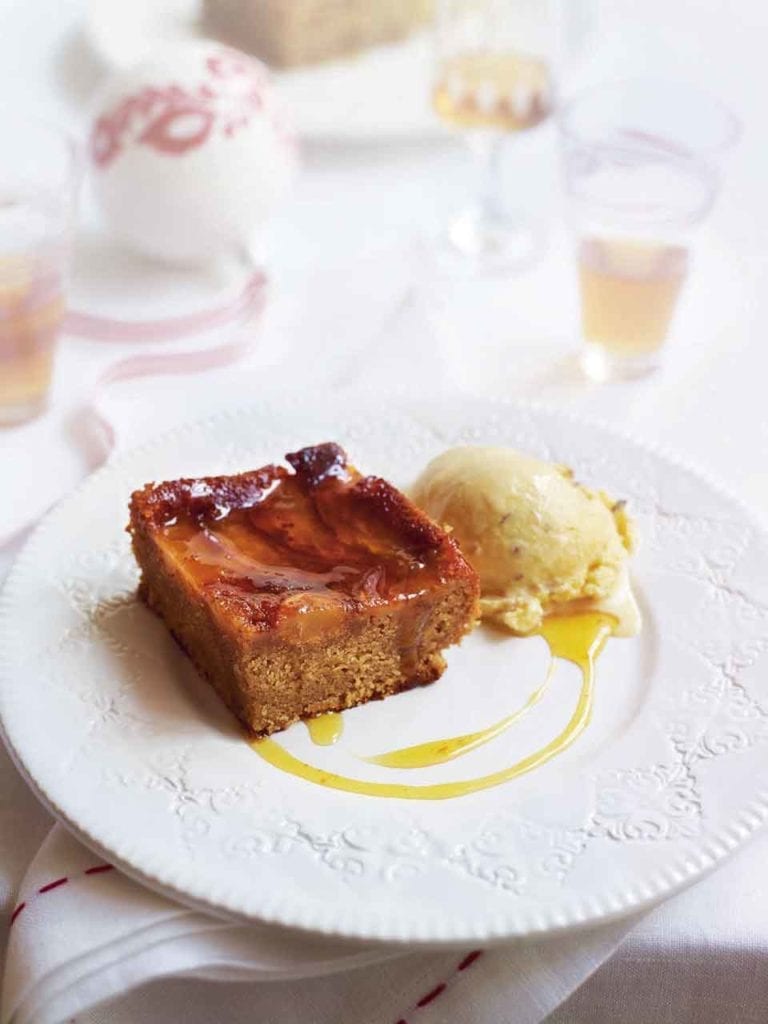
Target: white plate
x,y
137,756
380,95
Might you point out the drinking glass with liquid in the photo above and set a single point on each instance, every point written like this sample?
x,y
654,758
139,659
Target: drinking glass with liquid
x,y
493,80
38,184
643,164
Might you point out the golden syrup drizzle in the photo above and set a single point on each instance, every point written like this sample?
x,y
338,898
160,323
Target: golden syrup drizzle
x,y
325,730
576,638
425,755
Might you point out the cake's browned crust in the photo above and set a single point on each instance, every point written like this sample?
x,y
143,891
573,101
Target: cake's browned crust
x,y
304,590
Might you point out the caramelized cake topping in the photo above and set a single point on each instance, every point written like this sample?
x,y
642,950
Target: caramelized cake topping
x,y
273,544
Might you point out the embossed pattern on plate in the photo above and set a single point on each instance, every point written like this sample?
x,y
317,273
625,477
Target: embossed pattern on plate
x,y
133,752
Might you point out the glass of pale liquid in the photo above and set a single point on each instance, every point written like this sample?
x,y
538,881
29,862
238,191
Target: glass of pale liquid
x,y
492,81
39,170
643,165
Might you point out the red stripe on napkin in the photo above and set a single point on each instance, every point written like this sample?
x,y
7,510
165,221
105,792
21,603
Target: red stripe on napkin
x,y
97,869
438,990
53,885
17,911
469,960
431,996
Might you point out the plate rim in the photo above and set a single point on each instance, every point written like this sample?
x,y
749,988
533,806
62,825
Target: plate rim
x,y
668,880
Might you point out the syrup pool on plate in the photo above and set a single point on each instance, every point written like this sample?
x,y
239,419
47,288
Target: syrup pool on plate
x,y
325,730
578,638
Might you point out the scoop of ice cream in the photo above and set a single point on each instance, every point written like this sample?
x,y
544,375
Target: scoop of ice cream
x,y
537,539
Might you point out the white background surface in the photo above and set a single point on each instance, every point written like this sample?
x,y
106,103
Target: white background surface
x,y
343,263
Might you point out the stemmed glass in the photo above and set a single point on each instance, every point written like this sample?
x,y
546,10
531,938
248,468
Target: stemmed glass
x,y
493,79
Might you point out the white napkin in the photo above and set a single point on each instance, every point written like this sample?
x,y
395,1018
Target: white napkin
x,y
85,936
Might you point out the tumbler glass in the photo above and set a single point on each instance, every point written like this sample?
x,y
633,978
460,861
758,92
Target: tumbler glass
x,y
643,165
38,182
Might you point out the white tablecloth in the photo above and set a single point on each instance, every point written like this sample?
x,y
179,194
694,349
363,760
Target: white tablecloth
x,y
356,218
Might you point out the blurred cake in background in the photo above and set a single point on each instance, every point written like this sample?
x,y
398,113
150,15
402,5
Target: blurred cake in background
x,y
290,33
